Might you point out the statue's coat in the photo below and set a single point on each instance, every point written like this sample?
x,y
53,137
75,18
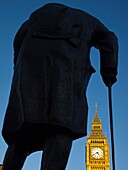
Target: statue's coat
x,y
52,69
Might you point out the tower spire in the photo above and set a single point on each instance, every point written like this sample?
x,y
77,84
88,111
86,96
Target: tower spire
x,y
96,117
96,107
96,125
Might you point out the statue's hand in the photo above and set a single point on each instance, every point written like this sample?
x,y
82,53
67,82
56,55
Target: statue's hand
x,y
109,76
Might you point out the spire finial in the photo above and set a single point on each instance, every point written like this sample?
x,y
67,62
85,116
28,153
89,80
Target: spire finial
x,y
96,118
96,107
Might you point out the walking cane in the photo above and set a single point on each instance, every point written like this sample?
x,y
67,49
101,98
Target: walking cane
x,y
111,126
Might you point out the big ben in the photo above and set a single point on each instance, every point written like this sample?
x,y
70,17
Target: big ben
x,y
97,147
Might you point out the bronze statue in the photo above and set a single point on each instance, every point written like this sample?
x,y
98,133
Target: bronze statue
x,y
47,107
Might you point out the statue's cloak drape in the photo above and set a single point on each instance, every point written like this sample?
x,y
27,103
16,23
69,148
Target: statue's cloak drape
x,y
52,69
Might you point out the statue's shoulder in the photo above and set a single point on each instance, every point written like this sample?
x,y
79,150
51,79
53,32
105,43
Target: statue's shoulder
x,y
48,7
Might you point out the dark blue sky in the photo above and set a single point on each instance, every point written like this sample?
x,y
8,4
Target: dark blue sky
x,y
114,15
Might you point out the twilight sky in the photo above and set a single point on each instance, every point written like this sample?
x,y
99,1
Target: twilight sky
x,y
114,15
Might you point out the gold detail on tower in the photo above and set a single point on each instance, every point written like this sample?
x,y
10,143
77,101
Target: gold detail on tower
x,y
97,147
0,166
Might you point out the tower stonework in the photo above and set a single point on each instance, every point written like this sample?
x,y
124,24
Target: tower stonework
x,y
97,147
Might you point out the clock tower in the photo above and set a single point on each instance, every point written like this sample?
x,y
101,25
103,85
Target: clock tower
x,y
97,147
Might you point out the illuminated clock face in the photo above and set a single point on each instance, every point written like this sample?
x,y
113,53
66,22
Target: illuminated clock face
x,y
97,153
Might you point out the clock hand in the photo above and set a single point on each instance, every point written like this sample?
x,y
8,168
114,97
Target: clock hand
x,y
95,153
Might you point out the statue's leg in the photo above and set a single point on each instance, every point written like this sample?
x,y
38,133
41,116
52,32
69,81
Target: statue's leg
x,y
14,158
56,152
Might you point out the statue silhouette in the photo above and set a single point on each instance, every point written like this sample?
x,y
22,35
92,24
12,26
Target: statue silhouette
x,y
47,107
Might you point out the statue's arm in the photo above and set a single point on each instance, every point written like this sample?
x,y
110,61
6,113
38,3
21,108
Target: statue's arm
x,y
107,43
19,37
